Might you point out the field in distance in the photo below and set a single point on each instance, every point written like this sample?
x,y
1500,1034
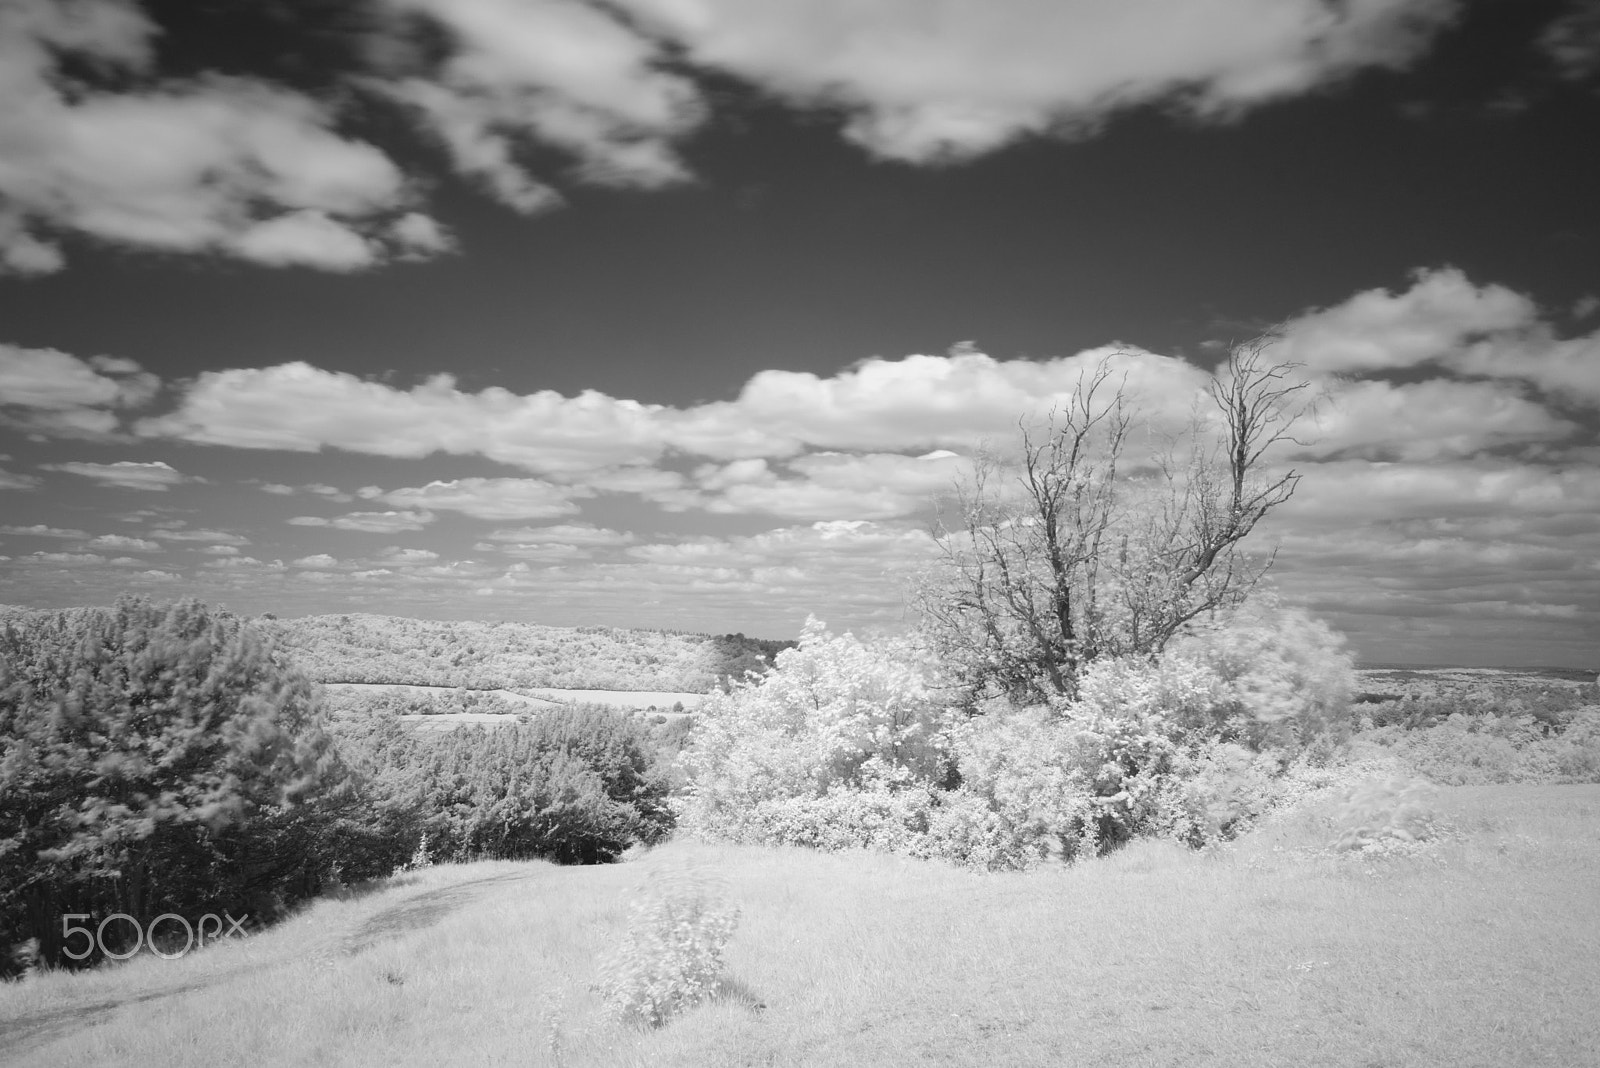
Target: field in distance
x,y
522,657
1479,951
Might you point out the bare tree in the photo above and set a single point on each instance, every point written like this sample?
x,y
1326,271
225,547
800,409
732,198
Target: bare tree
x,y
1077,550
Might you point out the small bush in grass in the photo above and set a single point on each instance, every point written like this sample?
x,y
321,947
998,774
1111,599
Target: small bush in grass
x,y
1387,815
671,956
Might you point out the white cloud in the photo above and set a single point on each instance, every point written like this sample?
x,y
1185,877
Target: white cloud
x,y
306,238
1445,322
927,81
332,493
599,441
368,522
46,391
76,559
217,164
298,407
12,480
1353,491
39,530
544,554
402,557
127,474
822,485
124,544
492,498
206,537
584,534
955,401
1572,41
319,562
1431,420
561,73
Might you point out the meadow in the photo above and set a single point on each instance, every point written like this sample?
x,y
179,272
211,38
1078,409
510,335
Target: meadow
x,y
1477,948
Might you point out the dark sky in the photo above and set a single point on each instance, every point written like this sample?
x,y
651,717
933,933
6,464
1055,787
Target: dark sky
x,y
319,208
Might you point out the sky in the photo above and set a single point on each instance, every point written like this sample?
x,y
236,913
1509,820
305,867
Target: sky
x,y
680,313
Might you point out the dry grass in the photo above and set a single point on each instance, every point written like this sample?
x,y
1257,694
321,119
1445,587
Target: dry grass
x,y
1481,950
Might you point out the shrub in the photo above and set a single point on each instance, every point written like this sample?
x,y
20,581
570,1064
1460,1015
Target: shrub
x,y
574,785
836,714
1467,750
1382,815
156,758
1285,677
671,956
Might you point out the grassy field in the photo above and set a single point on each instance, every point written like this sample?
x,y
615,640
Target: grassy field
x,y
1484,950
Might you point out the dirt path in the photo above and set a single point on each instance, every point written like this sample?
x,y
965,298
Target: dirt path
x,y
23,1035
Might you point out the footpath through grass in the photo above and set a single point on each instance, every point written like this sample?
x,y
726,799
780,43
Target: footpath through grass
x,y
1483,950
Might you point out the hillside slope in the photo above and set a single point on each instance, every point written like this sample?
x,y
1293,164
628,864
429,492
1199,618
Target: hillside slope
x,y
481,655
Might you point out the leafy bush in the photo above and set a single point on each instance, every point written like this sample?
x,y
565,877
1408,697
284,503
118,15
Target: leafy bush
x,y
1386,815
156,758
577,785
836,714
671,956
1467,750
845,744
1286,677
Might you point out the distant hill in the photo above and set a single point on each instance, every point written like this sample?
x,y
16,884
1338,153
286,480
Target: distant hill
x,y
394,649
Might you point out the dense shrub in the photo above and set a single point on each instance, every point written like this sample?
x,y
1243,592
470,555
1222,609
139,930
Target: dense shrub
x,y
1476,749
848,744
1387,815
156,758
577,785
835,716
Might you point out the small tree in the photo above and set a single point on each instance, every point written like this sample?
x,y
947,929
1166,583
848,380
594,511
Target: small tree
x,y
153,758
1087,551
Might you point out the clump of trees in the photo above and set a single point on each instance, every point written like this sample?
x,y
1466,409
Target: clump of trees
x,y
168,758
1090,666
1098,660
155,758
575,785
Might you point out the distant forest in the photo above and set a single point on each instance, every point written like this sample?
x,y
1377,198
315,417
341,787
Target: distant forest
x,y
478,655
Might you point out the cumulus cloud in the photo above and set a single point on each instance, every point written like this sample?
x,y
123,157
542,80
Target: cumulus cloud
x,y
925,82
216,164
1572,41
302,408
601,441
492,498
13,480
71,559
584,534
318,562
204,537
40,530
822,485
560,73
122,543
1446,322
1431,420
368,522
52,392
127,474
397,556
1355,491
